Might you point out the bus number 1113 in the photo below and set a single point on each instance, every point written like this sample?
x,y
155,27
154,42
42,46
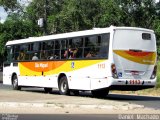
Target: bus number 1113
x,y
101,66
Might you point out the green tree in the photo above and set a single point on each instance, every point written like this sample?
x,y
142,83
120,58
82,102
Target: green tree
x,y
15,28
9,4
110,13
73,15
44,9
138,13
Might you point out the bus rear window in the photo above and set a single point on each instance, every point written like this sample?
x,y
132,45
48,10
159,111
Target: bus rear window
x,y
146,36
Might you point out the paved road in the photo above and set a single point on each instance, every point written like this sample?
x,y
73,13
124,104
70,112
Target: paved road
x,y
146,101
38,94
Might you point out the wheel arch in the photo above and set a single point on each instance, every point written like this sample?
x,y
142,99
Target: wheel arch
x,y
60,76
13,74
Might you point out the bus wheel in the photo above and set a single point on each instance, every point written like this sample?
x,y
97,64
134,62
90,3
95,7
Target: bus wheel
x,y
15,83
63,86
102,93
48,90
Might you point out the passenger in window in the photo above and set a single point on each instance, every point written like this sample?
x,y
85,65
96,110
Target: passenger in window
x,y
75,51
65,54
52,57
70,49
70,52
21,55
43,54
71,55
35,57
56,57
90,54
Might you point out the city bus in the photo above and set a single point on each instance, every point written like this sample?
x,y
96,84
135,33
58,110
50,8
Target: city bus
x,y
96,60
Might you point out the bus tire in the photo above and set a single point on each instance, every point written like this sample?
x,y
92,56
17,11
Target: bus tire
x,y
101,93
15,83
63,86
48,90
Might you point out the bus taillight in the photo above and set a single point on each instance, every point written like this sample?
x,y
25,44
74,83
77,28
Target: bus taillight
x,y
114,71
154,73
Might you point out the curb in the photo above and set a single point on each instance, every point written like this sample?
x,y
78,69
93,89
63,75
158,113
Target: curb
x,y
60,105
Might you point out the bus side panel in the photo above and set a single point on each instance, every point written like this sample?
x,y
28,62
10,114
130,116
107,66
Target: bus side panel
x,y
8,72
38,81
101,76
91,77
7,75
45,74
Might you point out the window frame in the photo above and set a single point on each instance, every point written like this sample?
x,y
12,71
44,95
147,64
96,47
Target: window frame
x,y
82,47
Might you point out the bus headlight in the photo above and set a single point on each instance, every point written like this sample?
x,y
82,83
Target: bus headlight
x,y
154,73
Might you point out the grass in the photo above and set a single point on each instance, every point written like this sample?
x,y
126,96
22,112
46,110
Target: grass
x,y
158,75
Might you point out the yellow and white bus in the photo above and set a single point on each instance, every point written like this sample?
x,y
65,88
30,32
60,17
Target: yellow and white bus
x,y
97,60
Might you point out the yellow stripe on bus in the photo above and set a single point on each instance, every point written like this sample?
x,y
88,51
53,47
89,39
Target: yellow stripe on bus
x,y
50,68
148,58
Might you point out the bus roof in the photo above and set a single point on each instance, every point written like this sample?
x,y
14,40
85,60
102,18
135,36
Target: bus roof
x,y
94,31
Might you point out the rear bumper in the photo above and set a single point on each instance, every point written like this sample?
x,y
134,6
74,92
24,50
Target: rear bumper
x,y
130,87
134,84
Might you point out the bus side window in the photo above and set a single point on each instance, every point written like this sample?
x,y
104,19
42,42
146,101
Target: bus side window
x,y
102,50
89,48
43,54
96,46
35,48
76,45
57,49
47,49
8,55
57,54
15,51
24,48
21,55
64,49
57,44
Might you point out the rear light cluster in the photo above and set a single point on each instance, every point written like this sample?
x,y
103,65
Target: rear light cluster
x,y
114,71
154,73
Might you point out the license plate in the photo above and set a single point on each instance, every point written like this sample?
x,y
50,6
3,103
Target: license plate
x,y
134,82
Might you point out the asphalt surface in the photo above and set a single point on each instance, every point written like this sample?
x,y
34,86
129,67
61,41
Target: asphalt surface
x,y
146,101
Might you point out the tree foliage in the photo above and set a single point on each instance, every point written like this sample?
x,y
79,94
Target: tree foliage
x,y
73,15
16,28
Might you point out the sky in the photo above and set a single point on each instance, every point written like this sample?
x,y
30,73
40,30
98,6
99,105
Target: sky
x,y
3,14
